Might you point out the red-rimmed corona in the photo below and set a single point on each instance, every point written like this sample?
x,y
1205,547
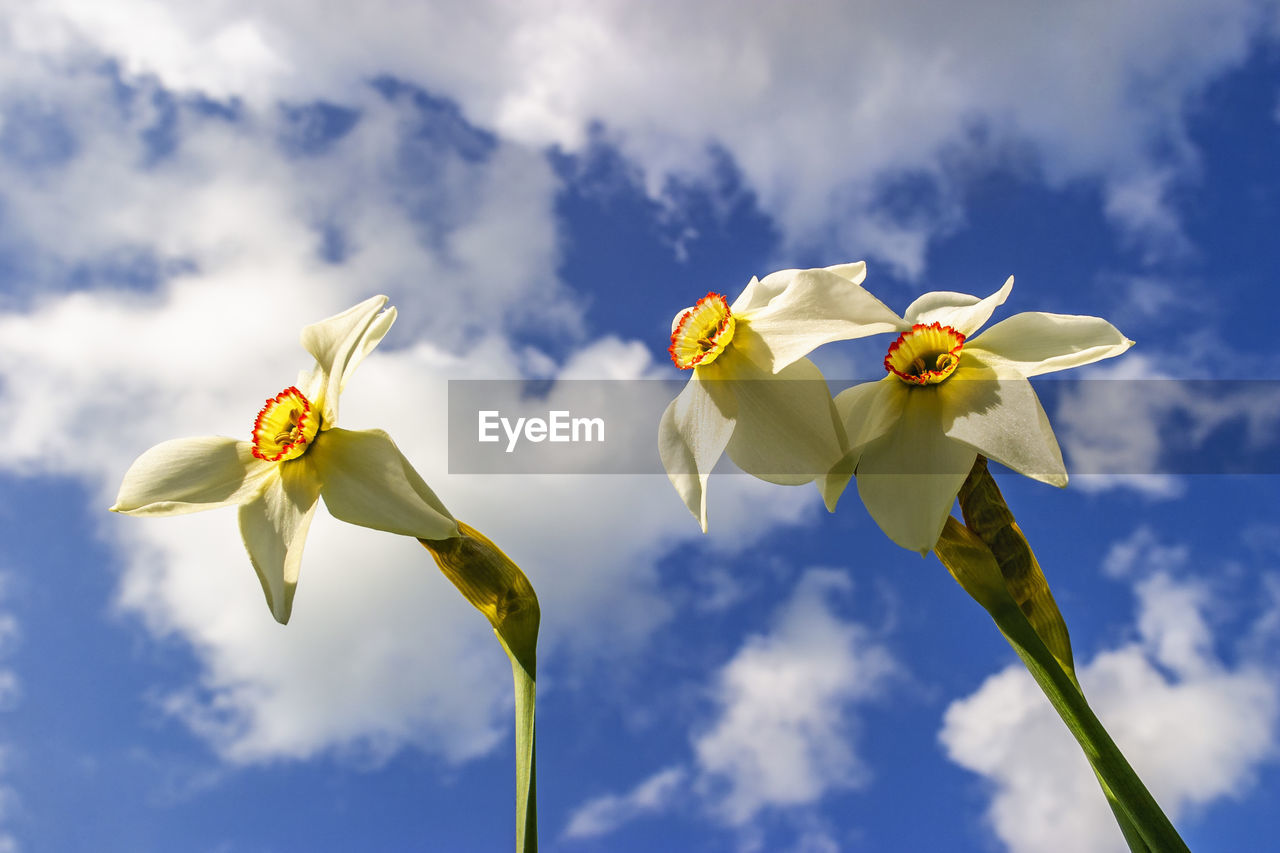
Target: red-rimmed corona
x,y
285,427
925,354
701,333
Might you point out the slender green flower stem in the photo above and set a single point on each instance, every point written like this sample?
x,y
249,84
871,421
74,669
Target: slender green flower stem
x,y
1133,798
495,586
988,515
526,760
991,560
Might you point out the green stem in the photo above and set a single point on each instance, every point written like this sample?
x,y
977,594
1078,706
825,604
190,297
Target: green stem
x,y
496,586
1132,836
992,561
987,515
526,761
1132,797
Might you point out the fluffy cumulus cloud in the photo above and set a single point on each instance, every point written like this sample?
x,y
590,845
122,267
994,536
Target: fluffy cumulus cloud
x,y
828,109
165,253
783,729
1168,686
176,202
784,733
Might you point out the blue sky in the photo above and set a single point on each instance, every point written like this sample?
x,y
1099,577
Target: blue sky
x,y
539,188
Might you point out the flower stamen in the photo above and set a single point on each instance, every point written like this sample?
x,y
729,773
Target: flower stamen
x,y
285,427
702,332
925,355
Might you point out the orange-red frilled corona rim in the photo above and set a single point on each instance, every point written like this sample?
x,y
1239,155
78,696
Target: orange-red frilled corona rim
x,y
702,332
925,355
285,426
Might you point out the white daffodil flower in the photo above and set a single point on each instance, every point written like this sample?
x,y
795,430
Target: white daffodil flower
x,y
297,454
751,390
916,433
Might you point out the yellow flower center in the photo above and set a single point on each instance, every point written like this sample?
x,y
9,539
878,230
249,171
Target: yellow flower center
x,y
285,427
925,355
702,332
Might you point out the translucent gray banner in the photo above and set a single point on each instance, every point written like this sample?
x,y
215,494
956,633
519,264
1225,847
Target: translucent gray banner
x,y
1111,427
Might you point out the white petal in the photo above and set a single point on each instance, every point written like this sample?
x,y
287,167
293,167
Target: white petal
x,y
339,344
909,478
855,271
871,409
787,431
929,306
366,480
189,475
691,437
675,321
1038,343
994,410
960,311
815,307
832,484
274,528
758,292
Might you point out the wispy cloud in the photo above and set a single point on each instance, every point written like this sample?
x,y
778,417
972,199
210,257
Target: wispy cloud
x,y
604,814
783,732
826,112
11,695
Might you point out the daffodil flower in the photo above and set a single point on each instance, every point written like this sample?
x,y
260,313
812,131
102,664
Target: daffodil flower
x,y
296,455
949,396
752,392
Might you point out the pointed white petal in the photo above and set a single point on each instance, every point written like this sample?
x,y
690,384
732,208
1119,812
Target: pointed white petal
x,y
339,344
929,306
909,478
960,311
994,410
787,431
871,409
815,307
274,528
758,292
855,271
692,435
832,484
1037,343
189,475
366,480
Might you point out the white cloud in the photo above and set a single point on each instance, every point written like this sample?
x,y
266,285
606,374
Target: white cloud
x,y
605,814
1131,425
784,731
1195,728
11,695
381,651
1143,553
817,110
821,108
